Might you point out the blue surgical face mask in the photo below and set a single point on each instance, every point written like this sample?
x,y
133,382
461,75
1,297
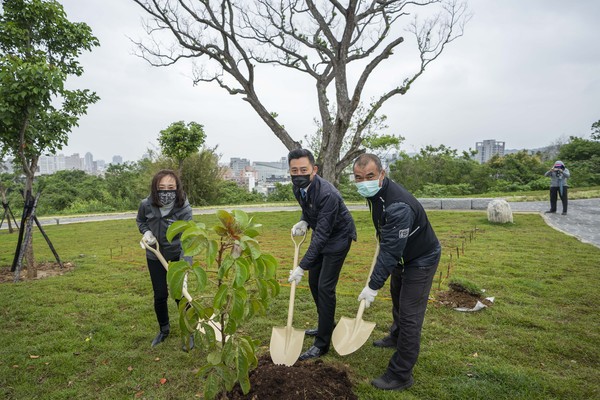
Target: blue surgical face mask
x,y
368,188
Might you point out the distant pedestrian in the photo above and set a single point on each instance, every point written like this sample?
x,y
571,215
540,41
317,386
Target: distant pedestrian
x,y
558,186
166,204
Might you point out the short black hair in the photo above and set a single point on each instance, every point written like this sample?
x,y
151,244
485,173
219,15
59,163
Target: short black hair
x,y
365,159
179,193
299,153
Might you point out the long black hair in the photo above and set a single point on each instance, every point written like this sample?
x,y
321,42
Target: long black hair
x,y
180,194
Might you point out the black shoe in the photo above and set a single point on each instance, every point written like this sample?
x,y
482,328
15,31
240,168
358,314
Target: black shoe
x,y
564,213
388,382
160,338
313,352
387,341
311,332
550,212
188,348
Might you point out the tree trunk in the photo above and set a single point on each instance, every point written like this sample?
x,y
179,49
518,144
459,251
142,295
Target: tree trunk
x,y
29,257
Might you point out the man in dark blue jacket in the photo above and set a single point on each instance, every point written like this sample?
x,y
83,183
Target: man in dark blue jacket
x,y
409,252
323,211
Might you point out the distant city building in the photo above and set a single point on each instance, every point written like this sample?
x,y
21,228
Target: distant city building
x,y
272,171
238,165
117,160
49,164
73,162
487,149
88,163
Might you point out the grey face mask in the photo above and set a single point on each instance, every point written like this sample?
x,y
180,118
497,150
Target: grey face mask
x,y
167,196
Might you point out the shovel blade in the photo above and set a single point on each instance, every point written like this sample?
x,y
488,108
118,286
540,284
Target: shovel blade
x,y
350,334
286,345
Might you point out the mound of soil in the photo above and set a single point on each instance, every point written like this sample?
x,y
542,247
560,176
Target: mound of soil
x,y
44,270
454,299
314,380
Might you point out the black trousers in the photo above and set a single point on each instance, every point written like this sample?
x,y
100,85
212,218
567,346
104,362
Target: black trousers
x,y
409,288
323,277
564,197
158,276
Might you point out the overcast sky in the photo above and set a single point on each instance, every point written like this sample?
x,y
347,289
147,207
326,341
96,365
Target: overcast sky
x,y
526,72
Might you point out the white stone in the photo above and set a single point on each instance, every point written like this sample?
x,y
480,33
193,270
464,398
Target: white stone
x,y
499,211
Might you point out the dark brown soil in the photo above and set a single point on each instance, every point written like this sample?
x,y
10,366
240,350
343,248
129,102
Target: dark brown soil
x,y
44,270
455,299
311,380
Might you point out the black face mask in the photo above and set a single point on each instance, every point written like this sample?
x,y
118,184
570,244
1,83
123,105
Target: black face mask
x,y
301,181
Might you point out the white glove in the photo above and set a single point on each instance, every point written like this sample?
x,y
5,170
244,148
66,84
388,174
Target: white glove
x,y
300,228
148,238
368,295
296,275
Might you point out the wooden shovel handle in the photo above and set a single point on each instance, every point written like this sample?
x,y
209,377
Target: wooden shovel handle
x,y
374,262
293,286
165,264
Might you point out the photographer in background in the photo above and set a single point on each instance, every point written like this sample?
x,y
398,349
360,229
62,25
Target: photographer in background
x,y
558,186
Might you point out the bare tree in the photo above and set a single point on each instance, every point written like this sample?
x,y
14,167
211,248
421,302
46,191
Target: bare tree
x,y
326,40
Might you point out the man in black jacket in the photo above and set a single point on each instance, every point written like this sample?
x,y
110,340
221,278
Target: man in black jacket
x,y
323,211
409,252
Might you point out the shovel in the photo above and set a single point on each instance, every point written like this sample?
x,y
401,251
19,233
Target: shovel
x,y
214,325
351,333
286,342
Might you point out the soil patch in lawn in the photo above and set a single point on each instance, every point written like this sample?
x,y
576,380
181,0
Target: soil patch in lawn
x,y
313,380
44,270
454,299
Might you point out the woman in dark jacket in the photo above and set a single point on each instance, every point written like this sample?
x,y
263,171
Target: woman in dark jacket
x,y
165,204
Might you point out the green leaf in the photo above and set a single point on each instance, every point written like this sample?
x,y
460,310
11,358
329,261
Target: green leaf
x,y
228,261
206,313
243,369
219,230
271,265
194,245
239,306
259,266
214,357
211,253
230,327
226,218
209,334
193,231
262,288
178,227
175,276
241,273
275,287
241,217
251,232
220,297
211,386
201,277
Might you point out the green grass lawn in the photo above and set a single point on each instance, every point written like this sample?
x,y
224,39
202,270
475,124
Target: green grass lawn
x,y
87,334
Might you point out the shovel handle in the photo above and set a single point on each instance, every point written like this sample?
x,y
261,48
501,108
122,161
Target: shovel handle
x,y
297,245
165,264
157,253
373,263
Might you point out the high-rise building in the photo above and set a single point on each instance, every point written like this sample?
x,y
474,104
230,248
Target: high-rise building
x,y
88,162
238,165
487,149
117,160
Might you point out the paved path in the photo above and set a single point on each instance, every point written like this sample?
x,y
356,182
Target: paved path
x,y
582,221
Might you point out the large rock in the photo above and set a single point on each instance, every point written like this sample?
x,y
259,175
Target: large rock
x,y
499,211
